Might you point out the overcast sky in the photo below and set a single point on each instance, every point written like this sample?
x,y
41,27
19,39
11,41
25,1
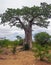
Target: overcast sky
x,y
4,4
11,33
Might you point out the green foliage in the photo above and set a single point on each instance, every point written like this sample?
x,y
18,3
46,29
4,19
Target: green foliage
x,y
21,42
4,43
40,13
18,37
41,46
14,46
42,38
15,43
41,52
46,9
10,44
1,43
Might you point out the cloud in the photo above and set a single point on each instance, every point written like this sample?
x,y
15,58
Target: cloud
x,y
4,4
10,33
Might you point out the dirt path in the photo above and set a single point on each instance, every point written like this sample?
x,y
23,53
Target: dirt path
x,y
21,58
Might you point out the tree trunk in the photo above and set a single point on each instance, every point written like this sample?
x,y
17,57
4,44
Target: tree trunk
x,y
28,38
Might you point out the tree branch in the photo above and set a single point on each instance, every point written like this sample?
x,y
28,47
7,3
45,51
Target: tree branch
x,y
17,18
40,24
34,17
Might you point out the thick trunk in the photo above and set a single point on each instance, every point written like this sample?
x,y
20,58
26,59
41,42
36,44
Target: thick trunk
x,y
28,38
28,32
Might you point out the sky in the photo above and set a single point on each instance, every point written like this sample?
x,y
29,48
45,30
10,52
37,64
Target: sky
x,y
4,4
11,33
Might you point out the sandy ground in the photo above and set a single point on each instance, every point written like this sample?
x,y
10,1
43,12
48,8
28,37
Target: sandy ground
x,y
21,58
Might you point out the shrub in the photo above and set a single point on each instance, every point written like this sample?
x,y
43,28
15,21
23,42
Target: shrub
x,y
21,42
1,43
4,43
14,46
42,38
42,52
41,47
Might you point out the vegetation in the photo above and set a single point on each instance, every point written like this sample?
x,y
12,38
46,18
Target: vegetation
x,y
42,38
10,44
4,43
41,46
26,17
14,46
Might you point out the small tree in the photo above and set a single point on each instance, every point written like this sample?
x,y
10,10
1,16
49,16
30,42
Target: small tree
x,y
42,38
41,47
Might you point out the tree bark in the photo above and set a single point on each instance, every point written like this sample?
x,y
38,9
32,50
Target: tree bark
x,y
28,37
28,34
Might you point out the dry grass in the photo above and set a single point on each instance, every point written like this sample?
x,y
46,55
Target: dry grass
x,y
20,58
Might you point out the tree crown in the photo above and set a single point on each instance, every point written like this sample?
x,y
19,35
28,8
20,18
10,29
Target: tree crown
x,y
36,15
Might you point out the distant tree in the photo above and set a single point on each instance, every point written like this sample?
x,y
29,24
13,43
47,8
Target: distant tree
x,y
18,37
26,17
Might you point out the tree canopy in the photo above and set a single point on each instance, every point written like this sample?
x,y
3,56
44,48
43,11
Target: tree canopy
x,y
37,15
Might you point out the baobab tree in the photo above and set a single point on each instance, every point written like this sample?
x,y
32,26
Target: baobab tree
x,y
26,17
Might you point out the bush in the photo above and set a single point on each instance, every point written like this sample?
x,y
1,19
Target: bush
x,y
1,43
21,42
14,46
41,52
42,38
41,47
4,43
